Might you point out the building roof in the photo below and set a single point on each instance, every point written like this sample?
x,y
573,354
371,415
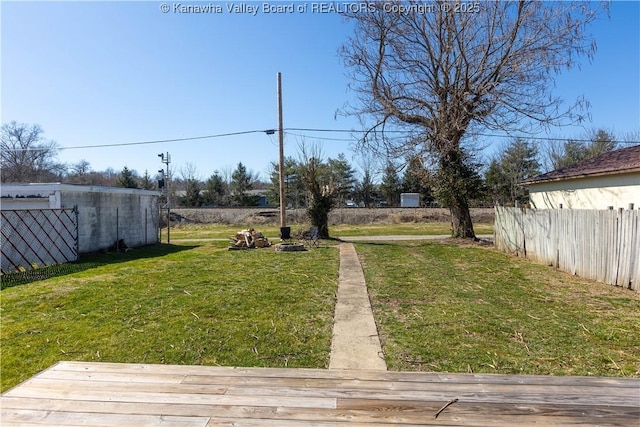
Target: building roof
x,y
614,162
48,188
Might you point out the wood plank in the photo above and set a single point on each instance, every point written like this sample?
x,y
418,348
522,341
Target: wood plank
x,y
358,375
409,380
520,395
130,386
39,417
142,377
353,386
82,393
375,411
172,398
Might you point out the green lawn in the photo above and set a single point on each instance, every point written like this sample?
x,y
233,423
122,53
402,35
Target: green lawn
x,y
439,307
444,307
403,229
181,304
220,231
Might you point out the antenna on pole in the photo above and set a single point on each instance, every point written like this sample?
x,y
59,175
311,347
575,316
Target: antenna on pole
x,y
166,159
283,202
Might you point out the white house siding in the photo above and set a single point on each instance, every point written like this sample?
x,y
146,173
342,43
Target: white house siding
x,y
597,192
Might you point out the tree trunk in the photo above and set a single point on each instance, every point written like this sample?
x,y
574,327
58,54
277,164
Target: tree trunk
x,y
461,225
318,212
456,182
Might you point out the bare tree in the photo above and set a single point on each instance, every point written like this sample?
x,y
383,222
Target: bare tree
x,y
26,156
366,191
442,70
193,187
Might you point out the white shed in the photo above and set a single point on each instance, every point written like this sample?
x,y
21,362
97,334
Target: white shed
x,y
410,200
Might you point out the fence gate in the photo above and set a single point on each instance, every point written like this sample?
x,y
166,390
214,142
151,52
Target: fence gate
x,y
38,238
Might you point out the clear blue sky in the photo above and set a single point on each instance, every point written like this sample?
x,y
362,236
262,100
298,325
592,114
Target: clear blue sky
x,y
94,73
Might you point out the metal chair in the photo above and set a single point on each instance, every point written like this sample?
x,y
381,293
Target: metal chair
x,y
285,234
311,237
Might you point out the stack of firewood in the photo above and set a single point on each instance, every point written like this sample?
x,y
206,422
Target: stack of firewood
x,y
248,239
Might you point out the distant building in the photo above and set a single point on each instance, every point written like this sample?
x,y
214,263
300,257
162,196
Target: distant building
x,y
611,179
410,200
260,197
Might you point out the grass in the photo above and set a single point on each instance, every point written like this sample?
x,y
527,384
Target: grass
x,y
175,304
446,307
223,231
439,307
403,229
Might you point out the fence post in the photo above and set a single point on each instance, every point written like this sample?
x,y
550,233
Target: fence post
x,y
76,212
117,229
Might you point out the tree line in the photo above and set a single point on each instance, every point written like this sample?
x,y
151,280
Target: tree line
x,y
29,157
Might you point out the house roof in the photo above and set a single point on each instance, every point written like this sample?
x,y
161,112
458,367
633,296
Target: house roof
x,y
614,162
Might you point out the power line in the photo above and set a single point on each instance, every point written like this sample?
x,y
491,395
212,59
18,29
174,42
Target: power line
x,y
536,138
271,131
541,138
165,140
160,141
320,138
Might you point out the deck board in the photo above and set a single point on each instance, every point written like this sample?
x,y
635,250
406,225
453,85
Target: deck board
x,y
106,394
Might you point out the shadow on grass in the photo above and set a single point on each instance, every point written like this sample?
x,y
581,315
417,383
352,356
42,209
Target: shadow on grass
x,y
89,261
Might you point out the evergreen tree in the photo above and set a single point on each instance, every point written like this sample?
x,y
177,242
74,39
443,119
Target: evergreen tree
x,y
294,184
241,183
574,151
497,183
146,183
391,186
192,198
127,179
366,192
518,162
341,176
216,192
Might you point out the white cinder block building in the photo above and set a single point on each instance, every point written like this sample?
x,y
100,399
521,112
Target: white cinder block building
x,y
105,214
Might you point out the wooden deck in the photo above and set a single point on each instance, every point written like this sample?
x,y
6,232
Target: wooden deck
x,y
105,394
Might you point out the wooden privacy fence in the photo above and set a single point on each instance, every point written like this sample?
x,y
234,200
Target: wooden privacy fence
x,y
602,245
38,238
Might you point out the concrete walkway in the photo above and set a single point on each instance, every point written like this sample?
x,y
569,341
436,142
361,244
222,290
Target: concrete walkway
x,y
355,343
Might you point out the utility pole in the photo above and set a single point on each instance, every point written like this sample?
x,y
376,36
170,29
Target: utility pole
x,y
166,159
283,202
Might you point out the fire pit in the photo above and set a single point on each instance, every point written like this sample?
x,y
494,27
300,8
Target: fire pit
x,y
290,247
